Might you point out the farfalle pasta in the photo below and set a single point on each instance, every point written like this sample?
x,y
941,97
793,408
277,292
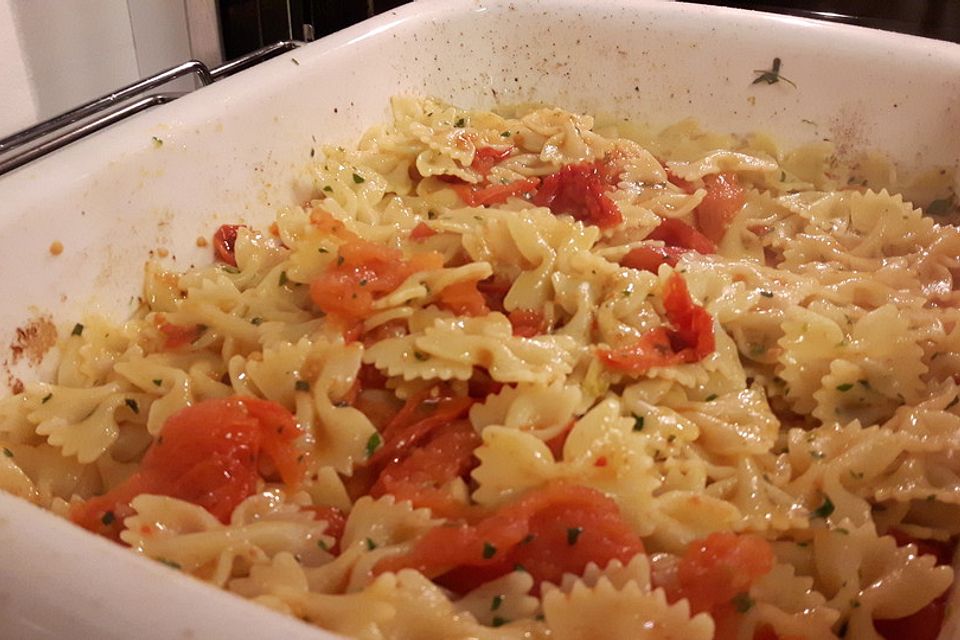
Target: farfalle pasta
x,y
521,375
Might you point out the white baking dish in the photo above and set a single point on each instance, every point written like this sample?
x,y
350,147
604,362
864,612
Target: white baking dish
x,y
233,151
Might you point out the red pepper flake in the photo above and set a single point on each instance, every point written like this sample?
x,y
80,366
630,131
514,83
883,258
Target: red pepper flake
x,y
580,191
527,323
649,258
600,462
725,197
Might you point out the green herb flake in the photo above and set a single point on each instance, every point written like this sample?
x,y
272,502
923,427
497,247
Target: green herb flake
x,y
358,179
498,621
857,475
373,443
283,278
846,386
301,385
854,603
496,602
710,398
108,518
169,563
460,123
157,142
573,534
767,294
842,531
504,134
130,402
519,568
256,321
77,330
489,550
824,510
528,539
339,260
371,545
230,269
295,61
7,452
637,422
431,215
817,455
323,545
46,398
421,356
363,282
157,382
328,189
772,75
864,383
742,602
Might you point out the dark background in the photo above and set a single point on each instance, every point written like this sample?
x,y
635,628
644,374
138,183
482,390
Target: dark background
x,y
247,25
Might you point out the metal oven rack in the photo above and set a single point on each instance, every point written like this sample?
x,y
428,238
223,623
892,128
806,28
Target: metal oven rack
x,y
41,139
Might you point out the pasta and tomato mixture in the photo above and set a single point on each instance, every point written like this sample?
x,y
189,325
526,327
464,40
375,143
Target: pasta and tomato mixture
x,y
527,377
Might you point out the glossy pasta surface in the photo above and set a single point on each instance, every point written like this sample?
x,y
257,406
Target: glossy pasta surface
x,y
521,375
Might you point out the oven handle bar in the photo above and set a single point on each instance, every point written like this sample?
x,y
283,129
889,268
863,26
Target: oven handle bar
x,y
37,141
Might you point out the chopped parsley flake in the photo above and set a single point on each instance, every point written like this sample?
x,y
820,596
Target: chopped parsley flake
x,y
371,545
157,142
421,356
742,602
846,386
637,422
824,510
7,452
488,550
767,294
323,545
373,443
77,330
230,269
528,539
108,518
130,402
295,61
256,321
460,123
301,385
358,179
328,189
520,568
363,282
46,398
339,260
573,533
710,398
283,278
323,250
169,563
504,134
857,474
498,621
940,207
157,382
495,604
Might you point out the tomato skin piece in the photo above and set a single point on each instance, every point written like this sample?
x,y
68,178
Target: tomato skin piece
x,y
494,290
527,323
421,477
486,158
676,233
648,258
176,336
685,186
713,570
479,196
207,454
466,556
580,191
463,299
422,232
404,433
224,241
363,272
336,522
690,340
926,623
725,197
